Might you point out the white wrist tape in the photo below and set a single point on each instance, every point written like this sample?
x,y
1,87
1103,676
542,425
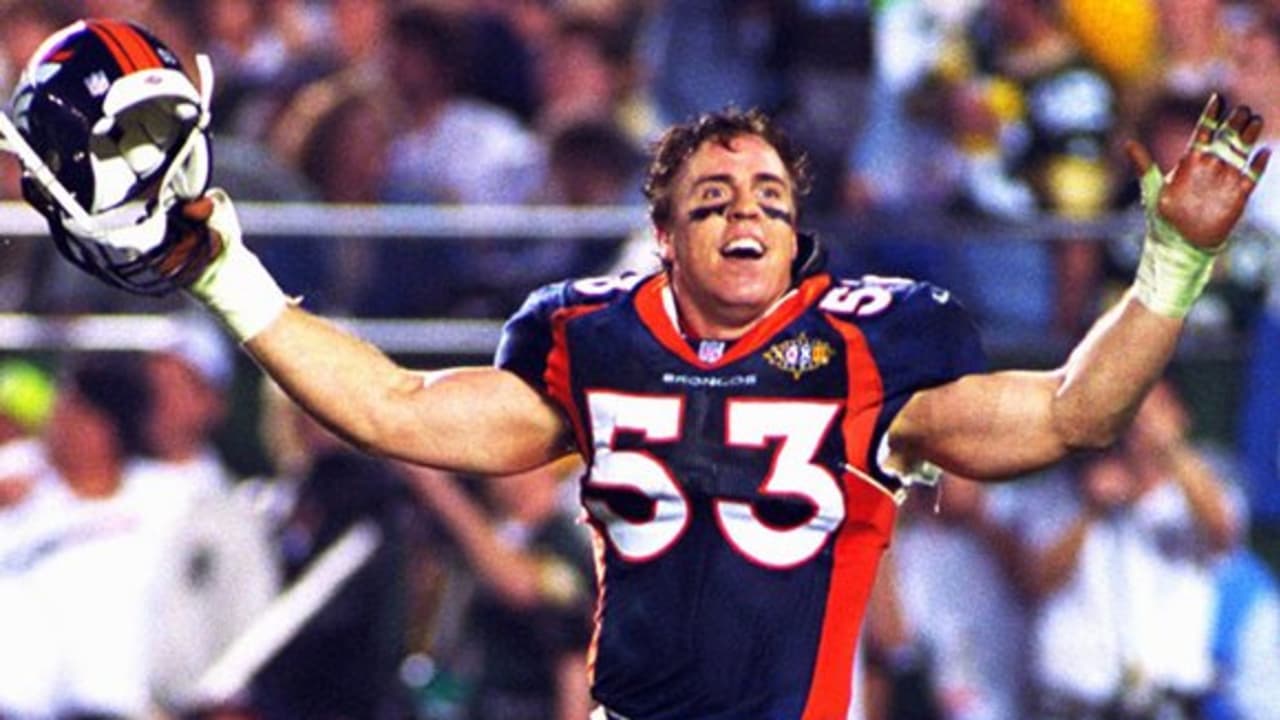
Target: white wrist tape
x,y
236,286
1172,272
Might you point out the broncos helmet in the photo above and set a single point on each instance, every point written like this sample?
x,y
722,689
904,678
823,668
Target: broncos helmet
x,y
111,134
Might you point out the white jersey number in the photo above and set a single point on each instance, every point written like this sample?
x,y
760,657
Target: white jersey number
x,y
799,427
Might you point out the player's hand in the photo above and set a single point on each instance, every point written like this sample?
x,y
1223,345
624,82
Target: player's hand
x,y
226,276
191,245
1205,193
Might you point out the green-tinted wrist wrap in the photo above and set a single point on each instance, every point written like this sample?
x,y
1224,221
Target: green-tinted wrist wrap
x,y
1172,272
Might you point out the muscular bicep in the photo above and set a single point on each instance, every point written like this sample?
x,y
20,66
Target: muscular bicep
x,y
990,426
480,420
477,419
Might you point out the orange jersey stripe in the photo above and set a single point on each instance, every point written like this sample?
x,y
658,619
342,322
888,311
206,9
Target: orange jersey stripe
x,y
598,543
557,374
559,387
860,544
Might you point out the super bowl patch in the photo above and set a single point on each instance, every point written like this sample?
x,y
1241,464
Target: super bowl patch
x,y
799,355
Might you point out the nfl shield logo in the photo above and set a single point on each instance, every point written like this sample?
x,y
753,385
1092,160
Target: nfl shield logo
x,y
97,84
710,351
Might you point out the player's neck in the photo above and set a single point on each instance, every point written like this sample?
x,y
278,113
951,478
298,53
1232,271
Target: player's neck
x,y
695,323
696,328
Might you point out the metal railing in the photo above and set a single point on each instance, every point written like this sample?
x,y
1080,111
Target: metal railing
x,y
434,223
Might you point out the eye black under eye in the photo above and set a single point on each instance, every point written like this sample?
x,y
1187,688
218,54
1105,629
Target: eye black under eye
x,y
706,211
778,213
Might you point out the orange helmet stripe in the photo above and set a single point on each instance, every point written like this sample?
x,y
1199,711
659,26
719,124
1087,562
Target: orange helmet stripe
x,y
117,51
130,50
143,52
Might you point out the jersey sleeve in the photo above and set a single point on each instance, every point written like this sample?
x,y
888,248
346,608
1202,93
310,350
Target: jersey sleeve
x,y
527,337
937,340
924,339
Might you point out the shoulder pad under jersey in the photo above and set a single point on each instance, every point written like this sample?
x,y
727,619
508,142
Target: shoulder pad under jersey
x,y
910,323
527,334
873,295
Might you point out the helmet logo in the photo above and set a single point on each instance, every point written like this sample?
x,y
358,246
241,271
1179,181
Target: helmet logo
x,y
97,84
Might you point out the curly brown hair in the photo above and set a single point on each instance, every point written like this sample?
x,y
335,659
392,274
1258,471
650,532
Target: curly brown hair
x,y
680,141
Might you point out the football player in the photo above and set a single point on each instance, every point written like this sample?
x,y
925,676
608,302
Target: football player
x,y
750,422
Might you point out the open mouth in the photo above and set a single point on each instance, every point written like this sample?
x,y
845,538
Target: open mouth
x,y
743,249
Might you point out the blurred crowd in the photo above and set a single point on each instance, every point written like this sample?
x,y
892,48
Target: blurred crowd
x,y
1118,585
140,578
975,143
945,135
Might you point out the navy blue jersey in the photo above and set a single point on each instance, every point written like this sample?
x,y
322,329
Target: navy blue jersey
x,y
734,487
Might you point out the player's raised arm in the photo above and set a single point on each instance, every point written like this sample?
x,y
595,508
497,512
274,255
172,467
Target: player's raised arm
x,y
477,419
1000,424
116,157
